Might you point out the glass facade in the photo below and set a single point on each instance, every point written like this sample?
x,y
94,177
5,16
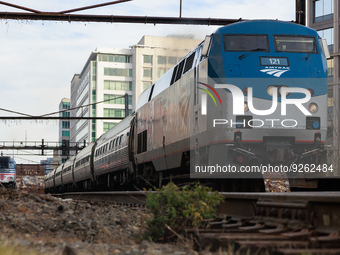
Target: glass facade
x,y
147,59
116,99
323,10
114,58
322,13
66,114
64,128
66,105
118,85
66,124
115,113
330,68
108,125
172,60
94,99
161,60
328,35
66,133
117,72
147,73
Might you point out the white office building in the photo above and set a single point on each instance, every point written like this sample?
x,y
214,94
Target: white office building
x,y
110,73
64,129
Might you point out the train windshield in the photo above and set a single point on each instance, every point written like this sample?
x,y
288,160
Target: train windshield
x,y
7,165
292,43
237,42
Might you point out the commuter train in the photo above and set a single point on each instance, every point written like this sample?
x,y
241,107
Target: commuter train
x,y
7,172
251,95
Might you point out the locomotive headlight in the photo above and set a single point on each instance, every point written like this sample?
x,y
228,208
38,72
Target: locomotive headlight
x,y
280,91
311,91
270,90
246,106
313,107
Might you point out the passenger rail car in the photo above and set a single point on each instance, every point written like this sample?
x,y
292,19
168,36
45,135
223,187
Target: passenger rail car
x,y
252,93
7,172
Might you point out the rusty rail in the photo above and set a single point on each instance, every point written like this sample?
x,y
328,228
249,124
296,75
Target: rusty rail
x,y
288,223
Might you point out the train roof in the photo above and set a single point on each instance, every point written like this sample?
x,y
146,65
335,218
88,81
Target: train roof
x,y
86,151
266,26
6,159
242,27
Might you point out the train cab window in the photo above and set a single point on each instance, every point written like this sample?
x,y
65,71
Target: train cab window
x,y
245,42
295,43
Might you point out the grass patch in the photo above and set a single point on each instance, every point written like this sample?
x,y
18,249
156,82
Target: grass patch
x,y
178,207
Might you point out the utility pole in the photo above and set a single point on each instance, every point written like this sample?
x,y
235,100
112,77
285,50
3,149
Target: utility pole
x,y
126,96
300,12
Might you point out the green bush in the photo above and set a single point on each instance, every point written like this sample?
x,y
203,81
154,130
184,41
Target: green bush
x,y
178,207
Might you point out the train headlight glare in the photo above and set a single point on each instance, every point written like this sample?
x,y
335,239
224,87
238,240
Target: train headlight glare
x,y
313,107
246,106
270,90
311,92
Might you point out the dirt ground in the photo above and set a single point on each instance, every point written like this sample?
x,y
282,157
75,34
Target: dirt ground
x,y
32,223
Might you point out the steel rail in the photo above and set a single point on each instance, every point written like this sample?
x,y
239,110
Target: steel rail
x,y
300,222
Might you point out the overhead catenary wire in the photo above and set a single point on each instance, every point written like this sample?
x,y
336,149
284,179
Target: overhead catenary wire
x,y
66,110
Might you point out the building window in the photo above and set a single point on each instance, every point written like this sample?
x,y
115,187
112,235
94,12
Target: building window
x,y
108,125
118,72
323,10
160,72
330,93
118,85
116,99
65,133
147,59
172,60
114,113
330,113
146,84
147,73
328,35
66,114
161,60
330,67
66,105
114,58
66,124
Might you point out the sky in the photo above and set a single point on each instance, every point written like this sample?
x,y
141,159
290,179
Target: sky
x,y
39,58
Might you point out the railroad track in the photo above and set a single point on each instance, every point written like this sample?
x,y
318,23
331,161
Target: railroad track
x,y
286,223
133,199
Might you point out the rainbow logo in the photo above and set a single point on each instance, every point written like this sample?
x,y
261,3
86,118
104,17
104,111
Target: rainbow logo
x,y
204,97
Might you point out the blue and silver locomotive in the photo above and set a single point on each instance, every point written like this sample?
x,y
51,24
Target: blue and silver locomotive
x,y
251,95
